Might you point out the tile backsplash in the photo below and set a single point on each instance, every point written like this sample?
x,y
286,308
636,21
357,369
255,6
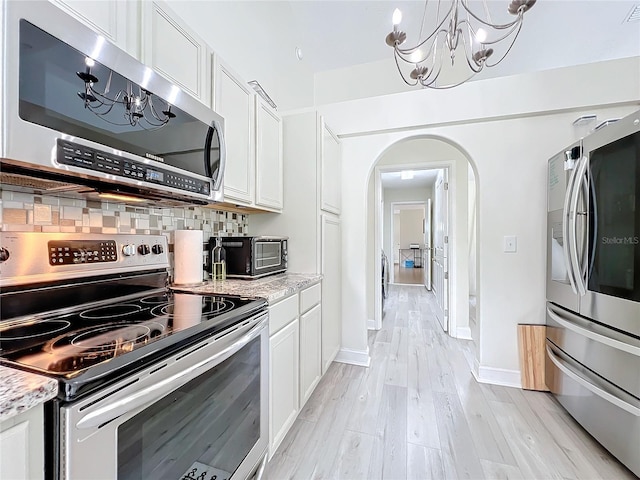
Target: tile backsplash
x,y
26,212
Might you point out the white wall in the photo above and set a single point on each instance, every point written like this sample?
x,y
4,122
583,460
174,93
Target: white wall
x,y
508,128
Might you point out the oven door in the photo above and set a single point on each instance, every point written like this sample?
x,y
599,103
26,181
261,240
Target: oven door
x,y
613,275
200,414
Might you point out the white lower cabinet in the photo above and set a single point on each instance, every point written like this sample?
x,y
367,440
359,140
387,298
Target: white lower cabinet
x,y
22,446
284,368
310,355
295,358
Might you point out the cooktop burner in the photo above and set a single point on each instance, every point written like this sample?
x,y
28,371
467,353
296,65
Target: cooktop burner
x,y
66,344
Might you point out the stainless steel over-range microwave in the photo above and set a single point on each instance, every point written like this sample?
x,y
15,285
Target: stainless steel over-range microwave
x,y
78,110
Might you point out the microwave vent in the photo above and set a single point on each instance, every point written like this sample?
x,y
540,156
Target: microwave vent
x,y
49,186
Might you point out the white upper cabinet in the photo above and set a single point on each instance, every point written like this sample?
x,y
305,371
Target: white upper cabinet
x,y
268,156
330,175
113,19
175,51
234,99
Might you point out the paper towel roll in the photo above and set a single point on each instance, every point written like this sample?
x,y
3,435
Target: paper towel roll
x,y
187,255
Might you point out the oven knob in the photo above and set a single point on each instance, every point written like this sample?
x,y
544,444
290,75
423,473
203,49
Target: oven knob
x,y
144,249
4,255
157,249
128,250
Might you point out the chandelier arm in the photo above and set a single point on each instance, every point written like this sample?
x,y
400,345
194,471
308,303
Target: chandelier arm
x,y
438,29
497,26
508,49
434,73
468,56
402,74
406,55
497,40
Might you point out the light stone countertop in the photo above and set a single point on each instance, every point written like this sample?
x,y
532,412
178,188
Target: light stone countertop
x,y
20,391
271,288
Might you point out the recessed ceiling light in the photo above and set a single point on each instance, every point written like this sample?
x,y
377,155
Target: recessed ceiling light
x,y
299,54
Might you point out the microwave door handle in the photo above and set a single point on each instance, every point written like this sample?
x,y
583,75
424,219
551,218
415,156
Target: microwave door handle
x,y
573,229
217,126
566,228
153,393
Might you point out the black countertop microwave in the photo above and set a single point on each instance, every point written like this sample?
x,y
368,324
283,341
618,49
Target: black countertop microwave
x,y
255,257
79,110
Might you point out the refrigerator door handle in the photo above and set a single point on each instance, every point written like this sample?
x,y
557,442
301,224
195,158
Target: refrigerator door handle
x,y
560,364
611,342
576,193
566,228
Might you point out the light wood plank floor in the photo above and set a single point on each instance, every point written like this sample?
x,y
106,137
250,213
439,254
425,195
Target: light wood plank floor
x,y
408,276
417,413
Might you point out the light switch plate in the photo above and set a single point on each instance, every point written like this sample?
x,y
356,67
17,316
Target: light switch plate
x,y
510,244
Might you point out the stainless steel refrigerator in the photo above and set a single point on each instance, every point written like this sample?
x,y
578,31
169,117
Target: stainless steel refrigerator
x,y
593,285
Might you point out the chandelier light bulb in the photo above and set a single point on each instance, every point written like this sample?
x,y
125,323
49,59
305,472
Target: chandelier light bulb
x,y
397,17
481,35
89,62
416,57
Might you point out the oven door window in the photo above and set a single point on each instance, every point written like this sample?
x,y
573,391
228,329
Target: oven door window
x,y
268,255
203,429
614,219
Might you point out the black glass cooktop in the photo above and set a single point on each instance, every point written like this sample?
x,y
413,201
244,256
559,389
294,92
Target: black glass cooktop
x,y
94,341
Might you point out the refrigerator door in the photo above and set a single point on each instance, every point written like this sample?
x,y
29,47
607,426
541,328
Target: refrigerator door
x,y
613,274
561,282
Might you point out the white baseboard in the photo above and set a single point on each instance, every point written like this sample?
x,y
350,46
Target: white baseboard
x,y
353,357
496,376
463,333
371,324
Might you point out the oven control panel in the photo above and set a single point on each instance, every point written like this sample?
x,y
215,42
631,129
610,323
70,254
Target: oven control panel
x,y
72,252
32,257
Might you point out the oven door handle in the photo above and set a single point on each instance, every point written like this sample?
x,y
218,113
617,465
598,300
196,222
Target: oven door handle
x,y
158,390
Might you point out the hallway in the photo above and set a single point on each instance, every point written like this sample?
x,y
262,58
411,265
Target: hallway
x,y
417,413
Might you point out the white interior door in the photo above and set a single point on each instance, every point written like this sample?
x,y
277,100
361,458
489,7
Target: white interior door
x,y
440,249
427,246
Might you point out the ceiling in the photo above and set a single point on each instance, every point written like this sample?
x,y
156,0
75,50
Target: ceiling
x,y
556,33
421,179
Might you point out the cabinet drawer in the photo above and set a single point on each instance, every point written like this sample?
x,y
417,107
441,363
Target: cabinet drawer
x,y
282,313
309,297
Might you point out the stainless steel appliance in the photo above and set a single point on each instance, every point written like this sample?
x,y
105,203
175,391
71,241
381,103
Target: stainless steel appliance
x,y
154,383
255,257
593,285
78,110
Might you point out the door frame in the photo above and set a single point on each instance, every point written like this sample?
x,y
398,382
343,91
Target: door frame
x,y
450,165
392,230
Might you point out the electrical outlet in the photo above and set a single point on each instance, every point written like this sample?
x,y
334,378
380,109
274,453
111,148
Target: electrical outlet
x,y
510,244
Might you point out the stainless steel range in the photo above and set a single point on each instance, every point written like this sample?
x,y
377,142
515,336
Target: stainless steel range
x,y
154,383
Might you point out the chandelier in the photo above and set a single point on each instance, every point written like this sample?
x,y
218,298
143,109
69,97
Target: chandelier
x,y
455,30
138,107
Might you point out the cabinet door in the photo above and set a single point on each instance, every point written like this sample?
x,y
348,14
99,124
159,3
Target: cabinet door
x,y
268,156
174,51
22,446
331,179
284,351
310,355
115,20
234,100
331,289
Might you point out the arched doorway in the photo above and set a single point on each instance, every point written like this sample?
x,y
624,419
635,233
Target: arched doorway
x,y
422,153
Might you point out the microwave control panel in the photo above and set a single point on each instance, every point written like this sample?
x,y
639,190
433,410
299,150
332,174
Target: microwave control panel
x,y
81,156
